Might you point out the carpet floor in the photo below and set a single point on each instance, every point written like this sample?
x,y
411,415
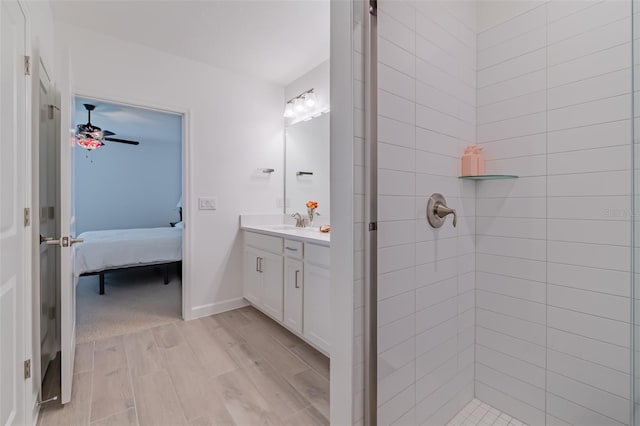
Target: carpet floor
x,y
135,299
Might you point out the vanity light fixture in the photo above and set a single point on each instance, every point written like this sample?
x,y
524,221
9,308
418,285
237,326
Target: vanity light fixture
x,y
301,104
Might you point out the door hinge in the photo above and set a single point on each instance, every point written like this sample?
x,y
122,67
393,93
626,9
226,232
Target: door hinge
x,y
373,226
27,65
27,369
27,216
52,110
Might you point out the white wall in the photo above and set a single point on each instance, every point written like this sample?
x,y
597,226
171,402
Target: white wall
x,y
123,186
426,116
553,255
234,127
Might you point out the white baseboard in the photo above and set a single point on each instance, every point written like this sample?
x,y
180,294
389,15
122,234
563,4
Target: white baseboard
x,y
216,308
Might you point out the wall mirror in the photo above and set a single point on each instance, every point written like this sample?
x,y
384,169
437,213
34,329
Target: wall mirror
x,y
307,165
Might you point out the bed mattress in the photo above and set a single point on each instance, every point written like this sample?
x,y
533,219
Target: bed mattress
x,y
121,248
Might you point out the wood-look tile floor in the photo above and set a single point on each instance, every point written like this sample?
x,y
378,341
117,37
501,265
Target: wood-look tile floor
x,y
236,368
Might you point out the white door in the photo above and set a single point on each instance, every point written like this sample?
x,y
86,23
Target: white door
x,y
271,268
66,226
46,210
317,302
13,192
293,294
252,279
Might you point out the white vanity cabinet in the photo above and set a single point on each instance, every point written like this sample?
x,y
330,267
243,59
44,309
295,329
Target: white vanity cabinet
x,y
263,273
317,296
290,281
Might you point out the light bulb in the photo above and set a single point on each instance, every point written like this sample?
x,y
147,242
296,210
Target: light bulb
x,y
299,105
288,110
310,99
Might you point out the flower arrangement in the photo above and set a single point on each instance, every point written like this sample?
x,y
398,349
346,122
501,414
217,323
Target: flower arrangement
x,y
311,211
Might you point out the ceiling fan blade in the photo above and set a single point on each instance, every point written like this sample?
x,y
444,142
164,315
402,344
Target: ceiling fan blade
x,y
122,141
108,133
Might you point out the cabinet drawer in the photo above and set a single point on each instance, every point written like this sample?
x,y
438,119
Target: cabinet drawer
x,y
293,249
263,242
318,255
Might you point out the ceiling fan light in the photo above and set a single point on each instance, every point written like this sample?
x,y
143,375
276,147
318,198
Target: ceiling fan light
x,y
89,143
288,110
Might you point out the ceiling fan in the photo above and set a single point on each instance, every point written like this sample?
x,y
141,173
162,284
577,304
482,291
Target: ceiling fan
x,y
91,137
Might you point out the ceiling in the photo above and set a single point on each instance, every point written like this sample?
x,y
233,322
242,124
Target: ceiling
x,y
272,40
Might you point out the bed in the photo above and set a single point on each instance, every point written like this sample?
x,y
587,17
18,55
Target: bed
x,y
116,249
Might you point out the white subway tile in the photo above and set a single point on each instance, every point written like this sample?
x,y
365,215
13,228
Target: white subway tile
x,y
395,107
586,20
590,326
511,306
395,133
605,403
512,68
592,136
604,86
576,414
395,82
520,45
521,24
603,305
594,255
534,291
394,308
394,56
396,233
518,389
528,83
589,42
514,327
606,61
589,373
514,367
589,113
391,182
601,280
396,282
396,32
525,105
590,184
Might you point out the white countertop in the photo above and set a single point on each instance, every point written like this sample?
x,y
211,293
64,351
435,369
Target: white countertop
x,y
310,235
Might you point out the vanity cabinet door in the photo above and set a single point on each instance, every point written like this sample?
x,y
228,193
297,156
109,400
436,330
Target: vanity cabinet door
x,y
272,284
317,306
293,290
252,288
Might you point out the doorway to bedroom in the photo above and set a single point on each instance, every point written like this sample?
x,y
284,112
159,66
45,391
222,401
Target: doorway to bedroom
x,y
128,208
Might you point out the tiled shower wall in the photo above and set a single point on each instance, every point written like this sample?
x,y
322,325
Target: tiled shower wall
x,y
553,247
426,115
544,289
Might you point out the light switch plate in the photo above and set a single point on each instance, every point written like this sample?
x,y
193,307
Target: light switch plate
x,y
207,203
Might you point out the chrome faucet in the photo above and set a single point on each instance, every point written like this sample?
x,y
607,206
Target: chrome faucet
x,y
300,223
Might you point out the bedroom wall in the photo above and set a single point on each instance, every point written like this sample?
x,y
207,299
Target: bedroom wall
x,y
111,180
235,127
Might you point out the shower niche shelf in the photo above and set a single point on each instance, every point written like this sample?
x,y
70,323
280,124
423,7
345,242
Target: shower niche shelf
x,y
488,177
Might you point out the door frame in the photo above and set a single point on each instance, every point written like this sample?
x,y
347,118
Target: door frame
x,y
185,113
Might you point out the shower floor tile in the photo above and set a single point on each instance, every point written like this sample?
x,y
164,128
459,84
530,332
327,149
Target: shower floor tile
x,y
477,413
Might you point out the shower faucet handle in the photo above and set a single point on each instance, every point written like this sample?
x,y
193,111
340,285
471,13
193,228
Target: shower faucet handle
x,y
437,211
